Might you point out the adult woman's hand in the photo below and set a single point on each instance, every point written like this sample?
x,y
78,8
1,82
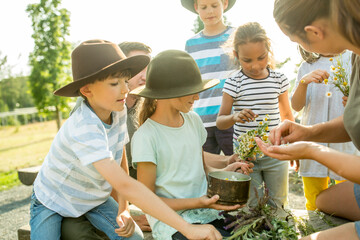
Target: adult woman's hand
x,y
294,151
288,132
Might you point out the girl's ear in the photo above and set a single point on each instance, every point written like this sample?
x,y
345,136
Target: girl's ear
x,y
236,55
314,32
85,90
226,4
196,7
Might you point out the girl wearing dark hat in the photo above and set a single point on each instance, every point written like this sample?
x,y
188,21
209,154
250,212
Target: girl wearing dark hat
x,y
167,147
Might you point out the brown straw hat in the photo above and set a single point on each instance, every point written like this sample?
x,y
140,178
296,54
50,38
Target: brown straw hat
x,y
189,5
97,58
172,74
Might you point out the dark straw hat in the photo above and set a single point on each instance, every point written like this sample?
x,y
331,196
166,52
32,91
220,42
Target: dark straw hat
x,y
189,5
94,59
172,74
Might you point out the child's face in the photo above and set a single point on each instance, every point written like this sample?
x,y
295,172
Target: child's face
x,y
253,58
106,96
184,104
211,11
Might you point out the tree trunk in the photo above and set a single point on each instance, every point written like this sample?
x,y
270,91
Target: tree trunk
x,y
58,118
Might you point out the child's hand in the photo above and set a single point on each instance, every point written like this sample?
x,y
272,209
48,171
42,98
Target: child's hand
x,y
203,231
241,166
126,224
245,115
344,98
207,202
316,76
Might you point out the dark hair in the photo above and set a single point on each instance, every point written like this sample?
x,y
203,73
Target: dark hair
x,y
250,32
294,15
128,47
346,18
147,109
123,74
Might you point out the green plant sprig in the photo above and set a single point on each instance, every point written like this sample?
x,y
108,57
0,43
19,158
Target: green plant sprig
x,y
247,147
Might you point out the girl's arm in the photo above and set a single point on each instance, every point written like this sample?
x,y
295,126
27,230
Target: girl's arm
x,y
284,107
226,120
146,174
142,197
215,162
298,100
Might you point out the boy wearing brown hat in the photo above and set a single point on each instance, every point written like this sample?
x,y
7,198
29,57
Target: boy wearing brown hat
x,y
87,158
205,48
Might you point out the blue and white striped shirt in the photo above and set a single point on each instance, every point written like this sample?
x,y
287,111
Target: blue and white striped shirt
x,y
259,95
68,183
214,63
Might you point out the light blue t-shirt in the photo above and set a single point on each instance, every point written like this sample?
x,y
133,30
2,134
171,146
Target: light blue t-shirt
x,y
177,154
67,182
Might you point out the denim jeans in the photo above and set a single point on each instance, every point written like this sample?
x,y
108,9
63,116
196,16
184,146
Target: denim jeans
x,y
275,175
46,224
357,196
219,140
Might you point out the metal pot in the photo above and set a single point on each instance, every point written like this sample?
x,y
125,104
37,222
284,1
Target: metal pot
x,y
232,187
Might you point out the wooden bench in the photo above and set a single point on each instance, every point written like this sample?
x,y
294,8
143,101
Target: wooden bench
x,y
27,175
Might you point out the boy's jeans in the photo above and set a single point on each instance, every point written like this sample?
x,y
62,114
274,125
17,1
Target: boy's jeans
x,y
46,224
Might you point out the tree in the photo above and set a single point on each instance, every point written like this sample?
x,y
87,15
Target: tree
x,y
14,92
50,60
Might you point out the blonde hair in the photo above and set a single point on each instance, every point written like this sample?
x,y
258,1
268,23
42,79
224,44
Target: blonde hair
x,y
346,18
147,109
308,57
251,32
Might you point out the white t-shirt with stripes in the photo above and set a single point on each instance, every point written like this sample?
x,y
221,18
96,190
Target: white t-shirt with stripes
x,y
68,183
259,95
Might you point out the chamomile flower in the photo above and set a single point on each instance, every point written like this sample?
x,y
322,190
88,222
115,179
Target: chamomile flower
x,y
331,59
329,94
326,81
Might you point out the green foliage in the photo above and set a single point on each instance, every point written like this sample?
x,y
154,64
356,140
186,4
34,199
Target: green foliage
x,y
50,59
260,222
15,93
8,180
281,64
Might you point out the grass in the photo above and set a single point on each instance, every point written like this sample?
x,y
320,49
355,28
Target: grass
x,y
23,146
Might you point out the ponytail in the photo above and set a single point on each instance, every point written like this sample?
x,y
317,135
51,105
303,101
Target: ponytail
x,y
308,57
147,109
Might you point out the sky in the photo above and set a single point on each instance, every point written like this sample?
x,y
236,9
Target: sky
x,y
161,24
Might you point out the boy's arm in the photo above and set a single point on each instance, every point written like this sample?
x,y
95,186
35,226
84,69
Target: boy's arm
x,y
123,204
140,195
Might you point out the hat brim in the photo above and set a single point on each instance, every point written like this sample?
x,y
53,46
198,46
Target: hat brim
x,y
142,91
134,64
189,5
